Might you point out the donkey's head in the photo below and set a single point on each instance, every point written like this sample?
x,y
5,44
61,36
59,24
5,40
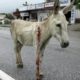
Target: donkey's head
x,y
61,32
60,24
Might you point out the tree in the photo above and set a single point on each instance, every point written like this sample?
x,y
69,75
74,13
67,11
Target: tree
x,y
9,16
77,2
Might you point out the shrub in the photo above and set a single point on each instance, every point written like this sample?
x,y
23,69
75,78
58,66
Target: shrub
x,y
0,22
6,21
9,16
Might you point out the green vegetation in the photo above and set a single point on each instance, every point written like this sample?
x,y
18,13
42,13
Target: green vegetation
x,y
9,16
0,22
77,2
7,19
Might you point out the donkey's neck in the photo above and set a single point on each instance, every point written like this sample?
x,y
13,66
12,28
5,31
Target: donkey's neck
x,y
48,24
47,32
48,21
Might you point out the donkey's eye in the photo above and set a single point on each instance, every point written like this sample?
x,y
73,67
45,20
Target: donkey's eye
x,y
58,25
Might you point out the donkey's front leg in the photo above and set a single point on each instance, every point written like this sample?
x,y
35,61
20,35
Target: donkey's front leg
x,y
37,65
39,73
41,59
38,55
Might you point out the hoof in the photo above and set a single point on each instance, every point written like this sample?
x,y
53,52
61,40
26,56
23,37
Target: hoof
x,y
19,65
38,79
41,75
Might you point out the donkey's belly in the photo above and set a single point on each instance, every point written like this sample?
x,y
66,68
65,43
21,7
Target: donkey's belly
x,y
26,38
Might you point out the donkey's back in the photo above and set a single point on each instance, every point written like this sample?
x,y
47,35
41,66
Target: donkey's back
x,y
23,31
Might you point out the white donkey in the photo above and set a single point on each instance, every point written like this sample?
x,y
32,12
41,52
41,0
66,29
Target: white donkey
x,y
25,33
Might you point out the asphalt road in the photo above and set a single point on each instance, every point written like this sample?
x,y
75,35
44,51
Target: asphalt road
x,y
58,63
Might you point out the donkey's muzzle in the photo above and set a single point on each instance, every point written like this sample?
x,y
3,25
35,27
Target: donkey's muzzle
x,y
65,44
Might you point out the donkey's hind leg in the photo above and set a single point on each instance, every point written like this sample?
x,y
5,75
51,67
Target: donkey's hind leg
x,y
18,47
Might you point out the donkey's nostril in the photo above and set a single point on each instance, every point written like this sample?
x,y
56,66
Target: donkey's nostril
x,y
65,44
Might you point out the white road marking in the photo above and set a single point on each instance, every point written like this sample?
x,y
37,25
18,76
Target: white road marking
x,y
4,76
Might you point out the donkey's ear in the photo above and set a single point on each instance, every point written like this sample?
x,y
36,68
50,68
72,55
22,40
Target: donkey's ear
x,y
68,8
56,6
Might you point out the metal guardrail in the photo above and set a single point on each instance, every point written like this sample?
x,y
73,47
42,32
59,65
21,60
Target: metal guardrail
x,y
4,25
42,5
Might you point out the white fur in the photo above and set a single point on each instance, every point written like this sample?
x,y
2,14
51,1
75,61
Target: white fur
x,y
25,31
